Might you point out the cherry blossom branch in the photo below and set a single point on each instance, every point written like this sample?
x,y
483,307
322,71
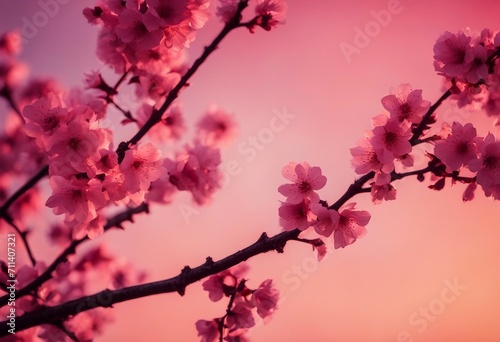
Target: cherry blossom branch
x,y
357,187
115,221
155,117
173,94
188,275
44,171
177,284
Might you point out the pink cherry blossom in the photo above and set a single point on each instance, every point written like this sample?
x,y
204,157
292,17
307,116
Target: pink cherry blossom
x,y
110,50
453,54
351,226
271,12
478,69
114,187
43,117
488,166
366,158
91,229
241,317
227,9
382,192
196,170
406,104
306,180
216,127
265,298
10,43
78,199
459,148
208,330
141,166
393,137
473,97
77,145
138,29
161,190
167,12
326,219
217,284
298,215
156,85
175,122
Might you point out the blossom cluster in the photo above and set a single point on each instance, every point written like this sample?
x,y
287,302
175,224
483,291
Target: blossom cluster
x,y
304,209
83,167
388,143
147,38
468,61
239,317
463,149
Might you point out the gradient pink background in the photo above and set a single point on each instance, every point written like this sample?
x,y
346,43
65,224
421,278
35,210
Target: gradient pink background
x,y
366,292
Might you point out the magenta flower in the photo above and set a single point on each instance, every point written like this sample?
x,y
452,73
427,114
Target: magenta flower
x,y
216,127
219,283
393,137
167,12
488,166
271,12
453,54
459,148
296,215
141,166
366,159
78,199
306,180
138,29
196,170
227,9
43,117
351,226
326,219
406,104
241,317
265,298
208,330
478,69
382,192
10,43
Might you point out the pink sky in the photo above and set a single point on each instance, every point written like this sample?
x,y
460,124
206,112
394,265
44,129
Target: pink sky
x,y
416,248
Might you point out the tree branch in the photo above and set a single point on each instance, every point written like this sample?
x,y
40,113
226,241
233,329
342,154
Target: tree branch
x,y
172,95
115,221
107,298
